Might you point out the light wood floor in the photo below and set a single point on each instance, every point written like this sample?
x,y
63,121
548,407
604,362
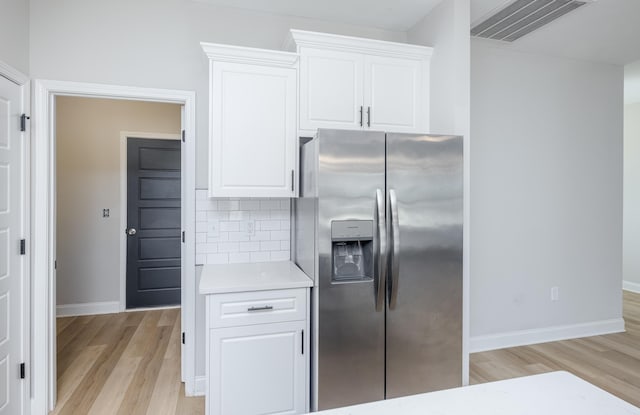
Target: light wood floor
x,y
611,362
129,363
126,363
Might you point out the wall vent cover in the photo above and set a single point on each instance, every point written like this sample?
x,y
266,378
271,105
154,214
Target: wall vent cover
x,y
521,17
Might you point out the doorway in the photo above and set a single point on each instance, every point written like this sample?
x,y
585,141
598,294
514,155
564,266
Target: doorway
x,y
92,198
44,229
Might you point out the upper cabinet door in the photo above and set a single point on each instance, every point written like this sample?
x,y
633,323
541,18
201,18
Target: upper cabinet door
x,y
253,130
330,89
395,94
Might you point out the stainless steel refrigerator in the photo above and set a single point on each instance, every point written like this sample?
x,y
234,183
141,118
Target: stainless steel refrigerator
x,y
378,226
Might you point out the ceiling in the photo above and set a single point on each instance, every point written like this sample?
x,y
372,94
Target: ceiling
x,y
603,31
399,15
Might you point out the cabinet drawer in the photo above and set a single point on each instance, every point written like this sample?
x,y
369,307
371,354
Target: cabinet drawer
x,y
257,307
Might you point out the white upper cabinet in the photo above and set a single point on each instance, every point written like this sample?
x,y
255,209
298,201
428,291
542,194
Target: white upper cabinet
x,y
355,83
333,84
252,122
395,96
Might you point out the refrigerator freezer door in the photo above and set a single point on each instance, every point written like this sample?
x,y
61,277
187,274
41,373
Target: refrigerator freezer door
x,y
424,325
350,332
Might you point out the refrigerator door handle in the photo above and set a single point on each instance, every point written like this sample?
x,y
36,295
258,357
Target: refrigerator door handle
x,y
380,271
394,237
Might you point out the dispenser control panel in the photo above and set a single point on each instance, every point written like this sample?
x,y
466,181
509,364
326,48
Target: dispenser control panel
x,y
350,230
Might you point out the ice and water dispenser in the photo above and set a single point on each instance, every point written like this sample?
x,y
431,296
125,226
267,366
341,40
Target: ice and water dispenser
x,y
351,250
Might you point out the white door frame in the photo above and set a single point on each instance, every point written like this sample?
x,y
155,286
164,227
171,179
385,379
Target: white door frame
x,y
124,135
43,225
22,80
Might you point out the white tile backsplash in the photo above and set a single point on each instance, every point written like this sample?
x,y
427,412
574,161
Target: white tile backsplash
x,y
279,235
241,230
260,257
239,257
217,258
270,245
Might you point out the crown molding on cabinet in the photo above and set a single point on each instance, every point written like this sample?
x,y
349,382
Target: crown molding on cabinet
x,y
299,38
240,54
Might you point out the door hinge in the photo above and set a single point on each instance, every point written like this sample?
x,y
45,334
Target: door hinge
x,y
302,349
183,136
23,122
55,264
183,338
23,373
23,246
293,180
182,236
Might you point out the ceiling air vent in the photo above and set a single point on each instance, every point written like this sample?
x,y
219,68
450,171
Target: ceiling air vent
x,y
521,17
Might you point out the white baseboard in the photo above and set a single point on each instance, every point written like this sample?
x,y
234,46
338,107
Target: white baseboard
x,y
85,309
634,287
201,386
549,334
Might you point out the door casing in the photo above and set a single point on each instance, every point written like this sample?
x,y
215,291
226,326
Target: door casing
x,y
42,162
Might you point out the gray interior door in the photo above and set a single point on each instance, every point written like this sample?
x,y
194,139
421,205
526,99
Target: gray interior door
x,y
424,314
154,224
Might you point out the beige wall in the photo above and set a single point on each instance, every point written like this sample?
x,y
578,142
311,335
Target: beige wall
x,y
88,180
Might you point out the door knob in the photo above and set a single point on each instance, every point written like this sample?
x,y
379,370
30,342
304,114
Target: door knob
x,y
131,231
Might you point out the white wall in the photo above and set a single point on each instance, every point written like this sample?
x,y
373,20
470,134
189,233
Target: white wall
x,y
547,196
446,29
631,262
88,180
155,43
14,34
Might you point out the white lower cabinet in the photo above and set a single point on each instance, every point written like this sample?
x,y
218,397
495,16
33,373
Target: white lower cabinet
x,y
257,368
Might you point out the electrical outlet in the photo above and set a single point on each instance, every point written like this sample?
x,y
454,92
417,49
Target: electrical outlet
x,y
213,229
555,293
105,213
248,226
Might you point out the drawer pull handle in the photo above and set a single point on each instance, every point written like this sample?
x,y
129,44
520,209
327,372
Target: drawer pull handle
x,y
265,308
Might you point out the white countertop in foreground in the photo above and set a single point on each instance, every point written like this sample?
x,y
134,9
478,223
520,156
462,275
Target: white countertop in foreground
x,y
229,278
555,393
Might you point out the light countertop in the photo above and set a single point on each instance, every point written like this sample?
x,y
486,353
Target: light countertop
x,y
555,393
229,278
